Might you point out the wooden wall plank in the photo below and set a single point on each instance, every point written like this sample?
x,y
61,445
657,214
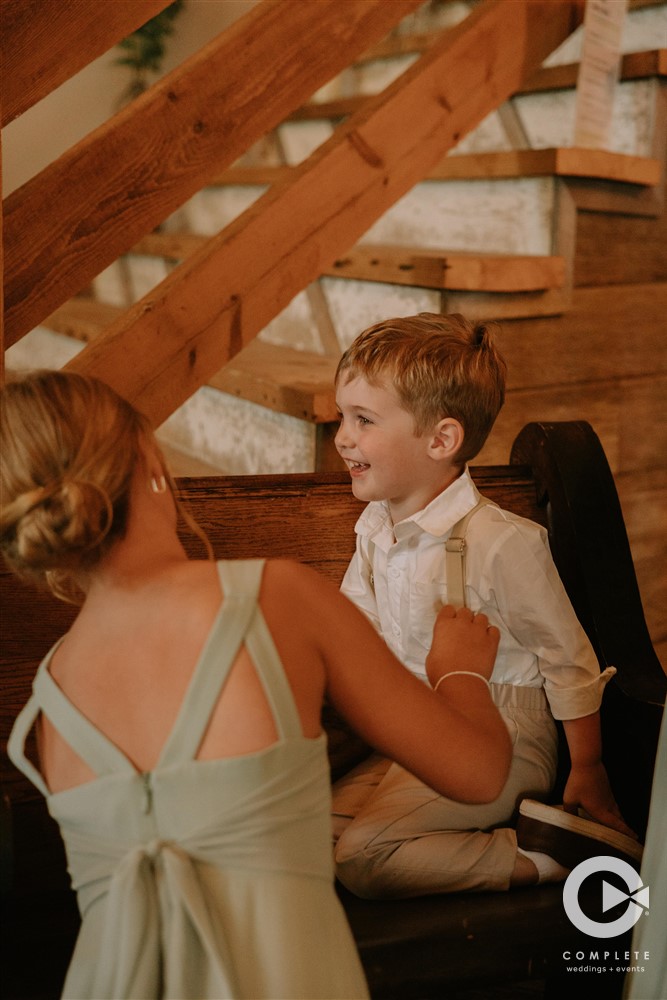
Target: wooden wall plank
x,y
604,361
611,406
86,209
620,249
45,42
608,333
177,337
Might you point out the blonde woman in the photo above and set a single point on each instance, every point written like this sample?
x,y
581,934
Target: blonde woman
x,y
178,721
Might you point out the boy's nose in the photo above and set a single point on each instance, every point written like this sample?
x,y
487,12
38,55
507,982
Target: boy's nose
x,y
342,438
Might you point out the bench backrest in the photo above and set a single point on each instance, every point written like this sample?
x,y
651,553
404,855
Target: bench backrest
x,y
561,479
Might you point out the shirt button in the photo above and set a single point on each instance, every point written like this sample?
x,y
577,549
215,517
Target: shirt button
x,y
394,573
396,630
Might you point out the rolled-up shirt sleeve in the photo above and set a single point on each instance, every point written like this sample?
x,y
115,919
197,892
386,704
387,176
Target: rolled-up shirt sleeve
x,y
518,577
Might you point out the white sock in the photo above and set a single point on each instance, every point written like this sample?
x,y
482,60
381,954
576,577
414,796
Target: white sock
x,y
548,870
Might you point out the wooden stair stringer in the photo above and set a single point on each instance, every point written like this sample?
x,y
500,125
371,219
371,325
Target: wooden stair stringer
x,y
84,210
44,44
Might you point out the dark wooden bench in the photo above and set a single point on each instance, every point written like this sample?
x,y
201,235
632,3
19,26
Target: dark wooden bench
x,y
421,948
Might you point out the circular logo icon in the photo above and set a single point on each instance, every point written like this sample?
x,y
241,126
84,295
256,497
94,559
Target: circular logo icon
x,y
637,900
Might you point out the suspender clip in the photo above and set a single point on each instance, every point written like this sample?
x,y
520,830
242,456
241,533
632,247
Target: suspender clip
x,y
455,545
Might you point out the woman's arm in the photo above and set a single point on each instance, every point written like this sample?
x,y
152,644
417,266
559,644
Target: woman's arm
x,y
453,739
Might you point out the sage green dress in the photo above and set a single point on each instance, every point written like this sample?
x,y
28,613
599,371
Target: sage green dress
x,y
202,879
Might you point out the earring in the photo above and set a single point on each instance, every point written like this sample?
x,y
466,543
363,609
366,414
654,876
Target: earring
x,y
158,484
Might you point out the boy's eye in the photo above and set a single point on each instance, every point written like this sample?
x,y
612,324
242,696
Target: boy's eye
x,y
363,420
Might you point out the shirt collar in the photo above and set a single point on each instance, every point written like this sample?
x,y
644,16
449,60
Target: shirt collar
x,y
437,518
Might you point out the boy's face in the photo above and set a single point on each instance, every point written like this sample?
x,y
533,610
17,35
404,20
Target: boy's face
x,y
377,441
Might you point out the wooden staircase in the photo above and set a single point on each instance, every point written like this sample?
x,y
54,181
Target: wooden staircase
x,y
426,194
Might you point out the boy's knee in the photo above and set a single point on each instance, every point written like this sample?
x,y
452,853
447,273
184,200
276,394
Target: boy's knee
x,y
358,871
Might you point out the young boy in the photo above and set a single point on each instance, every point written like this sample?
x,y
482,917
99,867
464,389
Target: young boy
x,y
418,397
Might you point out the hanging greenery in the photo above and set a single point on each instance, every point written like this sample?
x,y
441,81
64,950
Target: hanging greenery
x,y
145,49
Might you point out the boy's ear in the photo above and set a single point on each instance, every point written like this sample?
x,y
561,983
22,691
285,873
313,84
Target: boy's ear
x,y
447,439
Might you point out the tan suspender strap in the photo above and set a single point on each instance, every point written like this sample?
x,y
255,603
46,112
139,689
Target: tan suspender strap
x,y
455,548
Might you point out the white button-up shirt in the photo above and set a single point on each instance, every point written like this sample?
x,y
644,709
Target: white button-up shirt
x,y
397,578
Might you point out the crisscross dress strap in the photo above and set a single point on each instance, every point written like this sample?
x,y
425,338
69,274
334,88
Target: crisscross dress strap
x,y
98,752
240,589
266,659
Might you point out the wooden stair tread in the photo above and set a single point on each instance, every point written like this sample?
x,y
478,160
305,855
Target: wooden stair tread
x,y
428,268
562,161
174,246
296,383
399,45
252,176
82,319
634,66
423,267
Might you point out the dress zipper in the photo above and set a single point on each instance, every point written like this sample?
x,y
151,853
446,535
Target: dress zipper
x,y
148,791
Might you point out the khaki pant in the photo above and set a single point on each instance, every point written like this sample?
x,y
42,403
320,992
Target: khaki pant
x,y
395,837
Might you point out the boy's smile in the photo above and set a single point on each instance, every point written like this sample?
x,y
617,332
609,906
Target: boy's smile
x,y
386,459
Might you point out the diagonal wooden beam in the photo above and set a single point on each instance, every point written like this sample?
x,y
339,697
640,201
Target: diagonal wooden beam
x,y
82,212
219,299
45,42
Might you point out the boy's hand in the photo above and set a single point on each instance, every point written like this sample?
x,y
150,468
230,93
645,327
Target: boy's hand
x,y
462,641
588,788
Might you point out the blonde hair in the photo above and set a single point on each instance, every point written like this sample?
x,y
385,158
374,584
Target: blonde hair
x,y
69,447
440,366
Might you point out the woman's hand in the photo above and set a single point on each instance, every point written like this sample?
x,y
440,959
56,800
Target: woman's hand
x,y
462,640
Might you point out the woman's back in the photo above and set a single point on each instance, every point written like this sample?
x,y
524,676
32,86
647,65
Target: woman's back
x,y
130,655
180,867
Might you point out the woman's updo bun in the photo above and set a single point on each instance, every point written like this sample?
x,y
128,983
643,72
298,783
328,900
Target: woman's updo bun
x,y
56,526
69,448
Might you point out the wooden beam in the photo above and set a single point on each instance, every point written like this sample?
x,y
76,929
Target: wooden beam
x,y
82,212
45,42
211,306
430,268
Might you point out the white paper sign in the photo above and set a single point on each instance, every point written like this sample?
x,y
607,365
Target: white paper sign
x,y
598,71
